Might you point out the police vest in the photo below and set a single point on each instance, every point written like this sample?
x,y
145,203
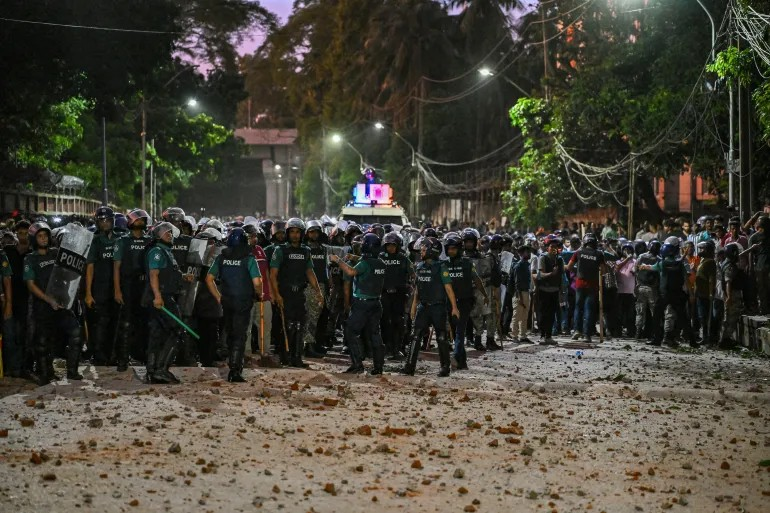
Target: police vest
x,y
234,275
169,277
180,250
291,274
370,284
588,264
461,271
673,276
133,254
318,255
104,249
429,285
483,265
647,278
42,265
396,270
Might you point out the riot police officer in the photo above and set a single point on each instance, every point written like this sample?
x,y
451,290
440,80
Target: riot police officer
x,y
319,255
429,305
336,301
238,273
163,282
128,276
647,285
100,293
464,279
181,251
291,268
489,272
366,310
50,317
399,274
589,262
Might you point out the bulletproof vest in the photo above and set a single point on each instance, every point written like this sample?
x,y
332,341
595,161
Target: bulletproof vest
x,y
269,252
429,285
134,253
673,276
42,265
180,249
292,271
234,275
371,283
588,264
104,249
461,272
648,278
170,277
318,254
396,270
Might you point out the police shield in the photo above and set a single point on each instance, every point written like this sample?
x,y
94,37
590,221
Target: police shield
x,y
506,259
194,263
70,264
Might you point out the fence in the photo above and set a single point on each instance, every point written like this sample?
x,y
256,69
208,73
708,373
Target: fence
x,y
48,204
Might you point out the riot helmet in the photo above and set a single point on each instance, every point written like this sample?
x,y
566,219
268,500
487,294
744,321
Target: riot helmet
x,y
217,225
237,238
732,251
34,229
654,247
136,215
706,249
161,229
173,215
432,247
371,245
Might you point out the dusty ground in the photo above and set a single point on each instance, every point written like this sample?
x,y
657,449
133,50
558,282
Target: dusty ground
x,y
622,428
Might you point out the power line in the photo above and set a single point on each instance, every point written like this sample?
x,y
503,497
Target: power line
x,y
88,27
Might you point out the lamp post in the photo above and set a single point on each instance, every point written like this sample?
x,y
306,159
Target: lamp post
x,y
337,139
380,126
486,72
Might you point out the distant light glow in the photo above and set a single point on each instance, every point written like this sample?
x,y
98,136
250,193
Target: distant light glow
x,y
486,72
379,126
336,138
277,167
192,102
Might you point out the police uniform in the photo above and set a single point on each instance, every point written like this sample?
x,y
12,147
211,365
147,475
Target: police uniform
x,y
647,285
180,248
236,272
131,251
104,316
730,273
336,302
461,272
398,269
207,313
431,311
13,349
673,276
164,331
276,333
319,256
49,323
365,313
292,263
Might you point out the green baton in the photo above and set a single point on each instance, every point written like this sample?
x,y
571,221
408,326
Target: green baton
x,y
179,321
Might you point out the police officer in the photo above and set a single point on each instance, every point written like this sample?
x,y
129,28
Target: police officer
x,y
429,305
336,302
291,268
647,285
549,282
366,310
488,271
100,293
673,277
163,282
399,274
16,346
50,317
589,261
181,249
241,282
464,278
277,233
319,256
733,282
13,360
129,275
207,310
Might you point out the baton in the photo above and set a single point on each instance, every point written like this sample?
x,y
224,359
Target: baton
x,y
283,323
601,308
179,321
261,327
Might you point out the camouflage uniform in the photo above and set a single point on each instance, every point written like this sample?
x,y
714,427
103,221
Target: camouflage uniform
x,y
729,272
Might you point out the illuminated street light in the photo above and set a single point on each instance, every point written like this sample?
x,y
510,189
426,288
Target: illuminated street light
x,y
379,126
192,102
486,72
337,139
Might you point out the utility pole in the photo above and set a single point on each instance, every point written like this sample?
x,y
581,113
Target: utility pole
x,y
420,127
746,207
631,187
545,53
105,198
144,151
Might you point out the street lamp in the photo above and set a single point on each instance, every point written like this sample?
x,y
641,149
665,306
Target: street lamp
x,y
380,126
486,72
337,139
192,102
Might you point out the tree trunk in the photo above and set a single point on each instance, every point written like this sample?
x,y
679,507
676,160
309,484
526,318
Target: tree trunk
x,y
651,207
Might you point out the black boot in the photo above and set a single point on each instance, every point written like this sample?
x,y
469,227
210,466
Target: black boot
x,y
412,354
310,352
356,354
477,345
462,362
45,373
443,353
296,344
164,362
491,345
150,367
121,349
236,367
378,358
73,355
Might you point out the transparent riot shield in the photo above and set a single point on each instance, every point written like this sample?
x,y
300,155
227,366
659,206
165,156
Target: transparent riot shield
x,y
193,265
506,259
70,265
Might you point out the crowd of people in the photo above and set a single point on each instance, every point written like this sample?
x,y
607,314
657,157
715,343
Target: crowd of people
x,y
180,291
